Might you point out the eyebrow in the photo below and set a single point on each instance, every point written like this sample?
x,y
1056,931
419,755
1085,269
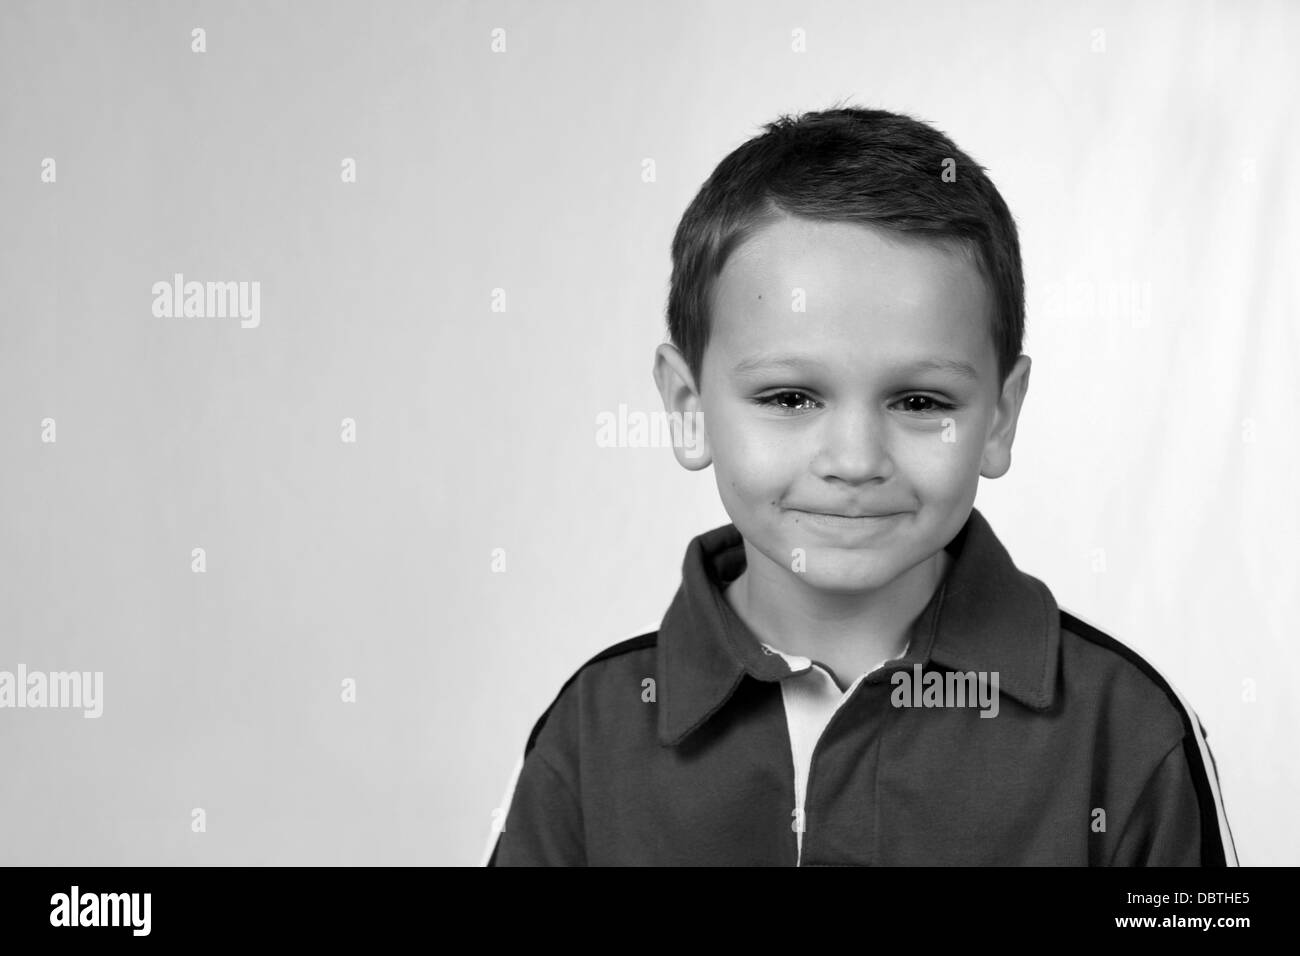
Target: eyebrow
x,y
794,362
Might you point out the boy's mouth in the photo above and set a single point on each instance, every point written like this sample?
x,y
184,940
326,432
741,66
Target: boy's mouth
x,y
848,512
850,522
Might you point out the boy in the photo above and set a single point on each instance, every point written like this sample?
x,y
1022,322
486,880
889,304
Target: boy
x,y
853,671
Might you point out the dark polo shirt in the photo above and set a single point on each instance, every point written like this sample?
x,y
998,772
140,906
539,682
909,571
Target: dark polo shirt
x,y
672,748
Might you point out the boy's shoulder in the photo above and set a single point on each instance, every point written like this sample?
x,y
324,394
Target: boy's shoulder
x,y
1141,726
1121,690
610,681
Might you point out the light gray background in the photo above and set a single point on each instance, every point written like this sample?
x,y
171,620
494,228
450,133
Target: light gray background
x,y
1156,157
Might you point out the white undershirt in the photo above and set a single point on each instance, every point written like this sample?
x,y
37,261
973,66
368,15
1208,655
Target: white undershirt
x,y
811,700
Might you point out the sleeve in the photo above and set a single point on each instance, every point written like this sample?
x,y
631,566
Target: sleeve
x,y
543,825
1164,828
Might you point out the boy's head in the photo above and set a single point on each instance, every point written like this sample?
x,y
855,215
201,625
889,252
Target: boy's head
x,y
846,316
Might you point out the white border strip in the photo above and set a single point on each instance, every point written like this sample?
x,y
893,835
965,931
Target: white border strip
x,y
499,820
1225,834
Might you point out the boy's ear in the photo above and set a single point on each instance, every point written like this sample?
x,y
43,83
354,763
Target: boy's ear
x,y
682,403
997,448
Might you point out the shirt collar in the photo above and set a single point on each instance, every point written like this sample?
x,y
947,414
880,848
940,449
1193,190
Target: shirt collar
x,y
986,615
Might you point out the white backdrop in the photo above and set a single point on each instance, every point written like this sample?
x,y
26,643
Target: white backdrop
x,y
1144,148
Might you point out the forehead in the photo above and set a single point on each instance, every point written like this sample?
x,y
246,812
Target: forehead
x,y
869,299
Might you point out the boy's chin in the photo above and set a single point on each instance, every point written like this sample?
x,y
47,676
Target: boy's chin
x,y
846,574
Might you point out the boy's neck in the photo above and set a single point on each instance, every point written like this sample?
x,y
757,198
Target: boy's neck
x,y
851,634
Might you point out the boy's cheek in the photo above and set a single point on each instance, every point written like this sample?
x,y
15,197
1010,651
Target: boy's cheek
x,y
944,440
756,455
938,477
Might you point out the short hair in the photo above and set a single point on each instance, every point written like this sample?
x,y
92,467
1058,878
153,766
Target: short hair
x,y
847,164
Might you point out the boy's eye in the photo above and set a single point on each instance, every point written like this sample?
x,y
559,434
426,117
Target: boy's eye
x,y
921,404
779,400
791,400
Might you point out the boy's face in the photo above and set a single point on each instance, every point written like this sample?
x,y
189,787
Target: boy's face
x,y
832,387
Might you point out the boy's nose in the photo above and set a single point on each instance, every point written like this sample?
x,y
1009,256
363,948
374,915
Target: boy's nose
x,y
854,446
